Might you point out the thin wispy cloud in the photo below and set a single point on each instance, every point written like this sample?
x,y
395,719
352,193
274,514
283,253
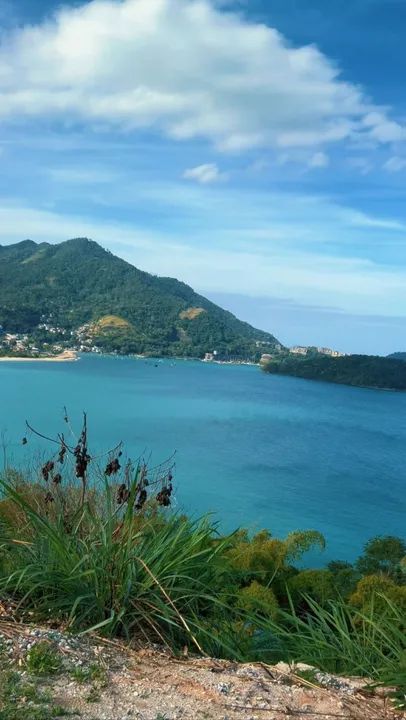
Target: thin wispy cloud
x,y
395,164
81,176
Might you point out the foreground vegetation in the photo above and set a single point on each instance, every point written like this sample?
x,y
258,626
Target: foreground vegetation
x,y
100,550
359,370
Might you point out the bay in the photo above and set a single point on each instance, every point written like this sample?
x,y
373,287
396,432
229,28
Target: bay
x,y
257,450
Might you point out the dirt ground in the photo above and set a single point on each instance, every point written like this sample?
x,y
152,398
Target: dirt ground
x,y
101,680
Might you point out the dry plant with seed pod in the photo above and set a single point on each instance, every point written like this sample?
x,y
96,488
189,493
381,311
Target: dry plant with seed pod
x,y
89,542
67,474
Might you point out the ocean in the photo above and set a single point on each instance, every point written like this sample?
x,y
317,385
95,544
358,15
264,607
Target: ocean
x,y
255,450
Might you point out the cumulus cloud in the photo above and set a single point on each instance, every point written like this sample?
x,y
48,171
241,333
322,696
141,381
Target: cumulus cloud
x,y
395,164
204,174
188,69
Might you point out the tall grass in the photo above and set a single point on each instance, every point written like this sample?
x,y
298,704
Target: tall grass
x,y
344,640
123,573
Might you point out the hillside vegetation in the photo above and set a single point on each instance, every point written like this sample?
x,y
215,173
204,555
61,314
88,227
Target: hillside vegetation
x,y
78,282
397,356
358,370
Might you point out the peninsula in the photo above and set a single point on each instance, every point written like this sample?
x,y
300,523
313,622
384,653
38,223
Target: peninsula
x,y
370,371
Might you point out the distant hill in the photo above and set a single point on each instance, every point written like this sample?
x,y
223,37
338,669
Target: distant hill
x,y
397,356
77,282
359,370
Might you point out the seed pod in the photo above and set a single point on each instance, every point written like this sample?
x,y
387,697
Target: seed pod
x,y
142,497
62,453
122,494
47,469
112,467
164,496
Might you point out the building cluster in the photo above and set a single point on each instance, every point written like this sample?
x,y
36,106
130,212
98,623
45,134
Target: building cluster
x,y
25,344
298,350
210,356
302,350
80,339
16,342
84,339
329,351
54,330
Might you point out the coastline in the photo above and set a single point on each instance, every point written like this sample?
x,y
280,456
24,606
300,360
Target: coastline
x,y
73,355
66,356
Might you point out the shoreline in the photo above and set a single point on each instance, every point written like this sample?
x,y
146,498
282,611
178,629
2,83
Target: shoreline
x,y
66,356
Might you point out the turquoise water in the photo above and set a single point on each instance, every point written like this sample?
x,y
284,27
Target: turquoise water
x,y
257,450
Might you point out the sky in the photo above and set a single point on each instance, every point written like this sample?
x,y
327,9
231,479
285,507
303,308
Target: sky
x,y
255,149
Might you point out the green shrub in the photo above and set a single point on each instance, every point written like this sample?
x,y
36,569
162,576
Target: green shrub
x,y
264,557
383,554
373,590
258,601
317,584
43,659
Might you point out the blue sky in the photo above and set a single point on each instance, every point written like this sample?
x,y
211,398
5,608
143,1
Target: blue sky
x,y
256,150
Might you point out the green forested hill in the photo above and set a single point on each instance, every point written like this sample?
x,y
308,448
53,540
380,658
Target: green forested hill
x,y
359,370
397,356
79,282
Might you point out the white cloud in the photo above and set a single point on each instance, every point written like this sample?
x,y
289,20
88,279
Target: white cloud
x,y
185,68
395,164
319,160
205,174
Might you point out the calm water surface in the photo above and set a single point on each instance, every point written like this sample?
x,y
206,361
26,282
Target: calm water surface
x,y
257,450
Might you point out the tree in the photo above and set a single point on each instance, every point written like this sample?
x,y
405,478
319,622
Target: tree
x,y
382,554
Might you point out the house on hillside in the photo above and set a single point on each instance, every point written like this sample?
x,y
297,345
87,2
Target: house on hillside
x,y
298,350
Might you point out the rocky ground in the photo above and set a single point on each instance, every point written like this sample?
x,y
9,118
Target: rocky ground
x,y
48,674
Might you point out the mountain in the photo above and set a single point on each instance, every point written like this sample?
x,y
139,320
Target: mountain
x,y
65,286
